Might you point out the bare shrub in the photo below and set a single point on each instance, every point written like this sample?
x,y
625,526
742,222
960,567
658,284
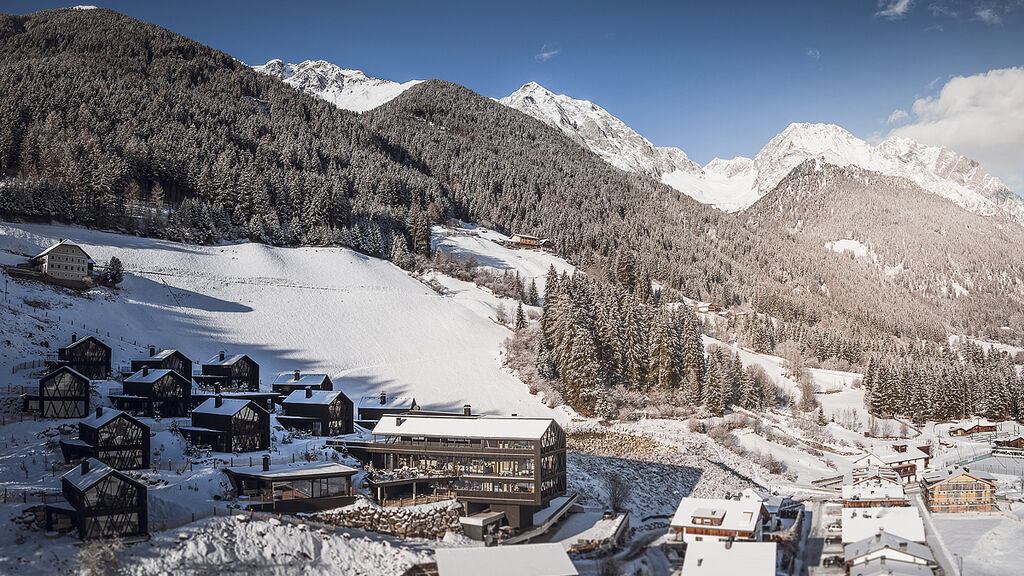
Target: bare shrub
x,y
619,492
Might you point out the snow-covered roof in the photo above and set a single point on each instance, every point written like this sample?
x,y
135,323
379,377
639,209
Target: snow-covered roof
x,y
716,558
880,567
61,243
81,341
97,471
298,470
740,515
885,540
161,355
772,502
952,472
227,361
867,491
73,372
150,376
892,458
872,475
390,402
229,406
103,419
438,426
288,379
861,523
316,397
534,559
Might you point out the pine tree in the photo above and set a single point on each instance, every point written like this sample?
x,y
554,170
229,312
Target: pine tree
x,y
520,317
532,296
114,274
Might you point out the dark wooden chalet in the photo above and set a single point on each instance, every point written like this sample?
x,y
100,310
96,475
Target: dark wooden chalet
x,y
321,412
301,487
228,425
288,382
63,393
372,408
113,437
101,502
265,400
155,392
230,373
87,356
164,359
973,429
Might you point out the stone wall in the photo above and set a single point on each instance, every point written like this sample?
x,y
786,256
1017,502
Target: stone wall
x,y
421,521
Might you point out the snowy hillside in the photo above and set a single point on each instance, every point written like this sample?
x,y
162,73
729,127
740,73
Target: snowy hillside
x,y
349,89
606,135
362,320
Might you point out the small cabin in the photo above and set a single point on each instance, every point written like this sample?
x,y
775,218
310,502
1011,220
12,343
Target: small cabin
x,y
164,360
100,502
288,382
111,436
230,372
527,241
972,429
64,263
87,356
1013,444
373,408
63,393
229,425
291,488
155,392
321,412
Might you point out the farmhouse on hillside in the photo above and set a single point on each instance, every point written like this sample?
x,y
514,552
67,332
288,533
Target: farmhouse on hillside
x,y
527,241
229,425
64,263
112,437
100,502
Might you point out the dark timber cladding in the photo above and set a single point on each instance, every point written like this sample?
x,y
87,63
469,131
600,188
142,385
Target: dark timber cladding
x,y
322,412
112,437
100,502
509,465
156,391
88,356
64,393
164,359
230,372
229,425
302,487
288,382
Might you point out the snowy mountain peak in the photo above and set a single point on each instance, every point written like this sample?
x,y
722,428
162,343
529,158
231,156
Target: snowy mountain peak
x,y
344,87
604,134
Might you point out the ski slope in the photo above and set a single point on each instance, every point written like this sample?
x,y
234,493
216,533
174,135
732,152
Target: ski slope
x,y
362,320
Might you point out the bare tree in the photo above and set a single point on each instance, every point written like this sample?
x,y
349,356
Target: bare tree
x,y
619,492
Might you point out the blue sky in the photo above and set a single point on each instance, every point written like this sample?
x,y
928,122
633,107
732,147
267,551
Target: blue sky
x,y
715,79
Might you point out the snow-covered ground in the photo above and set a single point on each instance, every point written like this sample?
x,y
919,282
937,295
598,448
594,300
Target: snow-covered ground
x,y
988,543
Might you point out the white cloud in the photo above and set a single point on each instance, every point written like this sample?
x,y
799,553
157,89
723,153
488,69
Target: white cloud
x,y
898,115
546,53
980,116
988,16
894,9
814,54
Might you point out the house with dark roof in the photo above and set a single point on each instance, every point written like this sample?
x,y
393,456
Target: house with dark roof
x,y
87,356
288,382
230,373
164,360
63,393
111,436
100,502
229,425
889,546
155,392
321,412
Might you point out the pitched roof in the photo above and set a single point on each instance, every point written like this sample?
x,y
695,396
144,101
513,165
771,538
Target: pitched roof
x,y
716,558
739,515
861,523
877,567
452,426
63,242
534,559
152,375
872,474
288,379
866,491
317,397
947,473
227,361
107,415
390,402
161,355
73,372
80,341
229,406
97,471
885,540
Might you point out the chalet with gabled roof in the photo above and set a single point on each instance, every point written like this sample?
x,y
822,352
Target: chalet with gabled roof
x,y
63,393
890,547
229,372
164,360
100,502
64,263
87,356
229,425
288,382
972,429
959,490
709,519
321,412
111,436
155,392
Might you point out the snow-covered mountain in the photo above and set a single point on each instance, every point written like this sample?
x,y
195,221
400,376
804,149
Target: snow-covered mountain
x,y
349,89
733,185
606,135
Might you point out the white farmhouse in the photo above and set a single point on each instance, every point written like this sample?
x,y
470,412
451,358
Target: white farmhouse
x,y
64,261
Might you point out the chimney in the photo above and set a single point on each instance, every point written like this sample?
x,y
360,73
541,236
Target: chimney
x,y
218,401
74,337
266,462
216,388
99,411
903,546
309,391
85,467
383,398
514,414
298,375
398,420
221,354
467,410
152,350
145,370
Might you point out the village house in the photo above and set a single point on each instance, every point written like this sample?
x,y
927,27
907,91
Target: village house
x,y
155,392
164,360
972,429
63,393
512,467
709,519
907,461
728,558
527,241
532,559
861,475
64,263
229,425
100,502
265,400
889,546
867,495
1010,447
371,408
112,437
292,488
959,490
861,523
87,356
288,382
321,412
229,373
